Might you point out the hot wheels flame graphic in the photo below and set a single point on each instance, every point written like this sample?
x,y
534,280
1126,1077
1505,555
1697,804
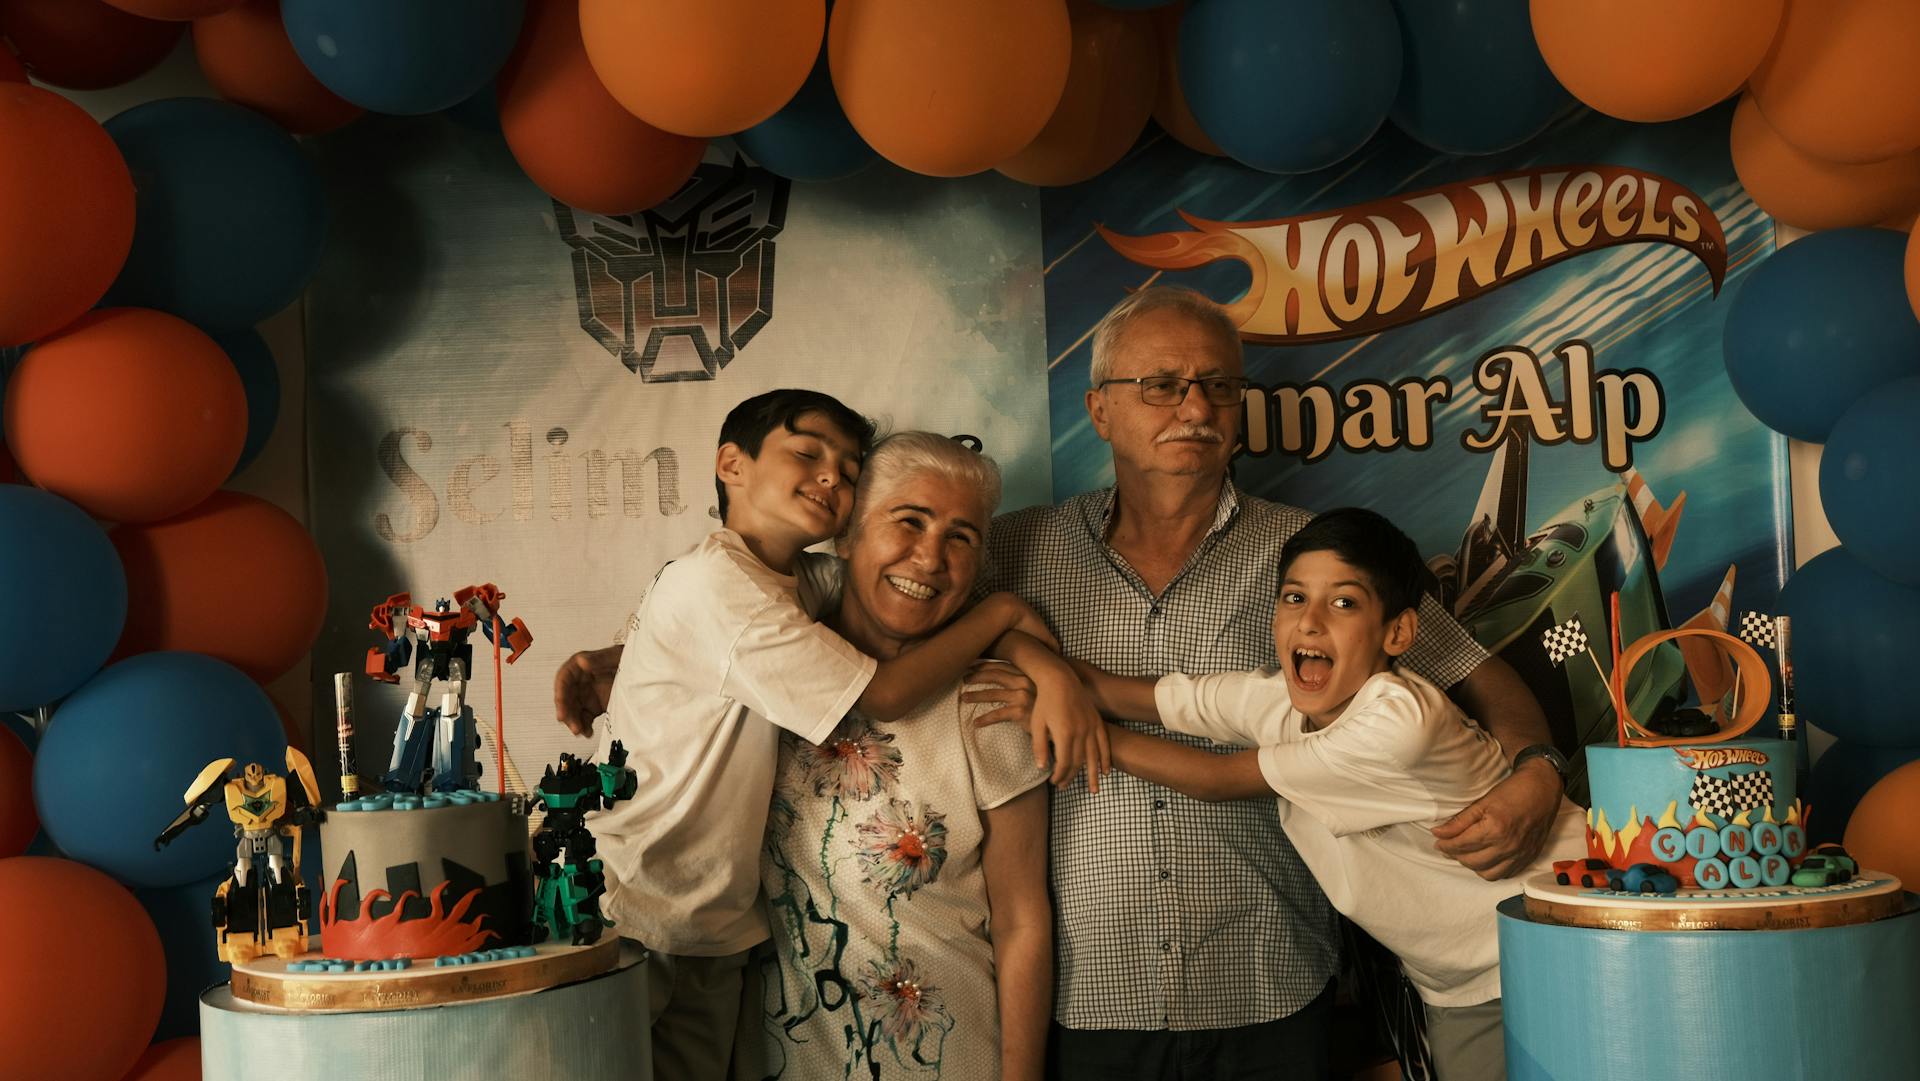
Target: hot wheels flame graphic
x,y
1350,272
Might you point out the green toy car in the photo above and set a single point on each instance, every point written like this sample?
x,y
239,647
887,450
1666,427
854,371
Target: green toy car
x,y
1827,865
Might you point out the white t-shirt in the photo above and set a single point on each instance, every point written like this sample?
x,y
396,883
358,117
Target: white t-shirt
x,y
1359,799
722,654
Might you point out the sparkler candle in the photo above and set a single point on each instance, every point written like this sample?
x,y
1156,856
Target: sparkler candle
x,y
343,730
1783,658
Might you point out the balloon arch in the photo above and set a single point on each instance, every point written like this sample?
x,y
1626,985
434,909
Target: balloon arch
x,y
136,256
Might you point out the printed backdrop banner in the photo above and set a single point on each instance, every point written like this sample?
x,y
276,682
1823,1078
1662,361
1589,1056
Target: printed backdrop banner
x,y
1515,357
505,390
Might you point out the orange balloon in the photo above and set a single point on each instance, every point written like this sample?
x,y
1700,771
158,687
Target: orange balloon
x,y
1884,832
1170,107
1814,194
86,973
236,578
135,415
1843,79
1654,60
175,10
245,54
10,69
1913,268
570,135
66,212
18,820
1105,104
949,89
711,68
169,1060
84,44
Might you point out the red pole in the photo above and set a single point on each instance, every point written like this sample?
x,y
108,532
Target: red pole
x,y
1617,684
500,713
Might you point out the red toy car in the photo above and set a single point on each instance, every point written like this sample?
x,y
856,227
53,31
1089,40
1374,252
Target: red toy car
x,y
1588,873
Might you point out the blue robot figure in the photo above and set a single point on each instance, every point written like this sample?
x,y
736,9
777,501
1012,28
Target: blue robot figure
x,y
434,645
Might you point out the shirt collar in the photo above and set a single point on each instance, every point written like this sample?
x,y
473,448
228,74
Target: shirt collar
x,y
1100,505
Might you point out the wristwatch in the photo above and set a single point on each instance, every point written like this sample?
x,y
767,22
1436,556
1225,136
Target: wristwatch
x,y
1547,751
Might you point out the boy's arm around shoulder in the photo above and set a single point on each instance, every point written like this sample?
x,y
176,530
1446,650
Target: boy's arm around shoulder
x,y
1188,770
901,683
1215,706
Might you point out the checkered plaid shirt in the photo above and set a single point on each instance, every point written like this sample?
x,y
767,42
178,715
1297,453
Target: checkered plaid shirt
x,y
1172,913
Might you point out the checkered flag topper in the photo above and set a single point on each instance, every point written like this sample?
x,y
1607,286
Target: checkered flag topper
x,y
1564,640
1757,629
1726,798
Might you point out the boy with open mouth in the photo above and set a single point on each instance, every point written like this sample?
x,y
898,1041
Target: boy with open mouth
x,y
1366,758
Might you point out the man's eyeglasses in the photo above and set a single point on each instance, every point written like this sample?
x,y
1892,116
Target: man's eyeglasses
x,y
1172,390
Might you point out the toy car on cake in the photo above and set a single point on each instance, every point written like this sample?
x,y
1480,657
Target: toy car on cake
x,y
1642,878
1589,873
1827,865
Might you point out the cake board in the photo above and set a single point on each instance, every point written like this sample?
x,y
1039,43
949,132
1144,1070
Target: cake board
x,y
269,982
1595,1004
592,1030
1868,897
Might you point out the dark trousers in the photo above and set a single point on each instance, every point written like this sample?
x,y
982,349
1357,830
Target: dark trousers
x,y
1294,1048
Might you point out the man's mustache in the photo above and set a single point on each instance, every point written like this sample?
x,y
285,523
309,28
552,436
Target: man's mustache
x,y
1204,433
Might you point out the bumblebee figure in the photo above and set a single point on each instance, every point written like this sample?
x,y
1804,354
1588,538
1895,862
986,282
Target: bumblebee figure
x,y
568,880
257,913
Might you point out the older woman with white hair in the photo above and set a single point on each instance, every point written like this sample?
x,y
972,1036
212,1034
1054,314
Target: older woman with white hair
x,y
893,847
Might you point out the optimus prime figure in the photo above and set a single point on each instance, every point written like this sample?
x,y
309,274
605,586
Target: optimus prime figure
x,y
567,878
257,913
435,643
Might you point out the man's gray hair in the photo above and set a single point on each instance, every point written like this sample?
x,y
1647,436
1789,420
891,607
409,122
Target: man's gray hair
x,y
903,456
1107,335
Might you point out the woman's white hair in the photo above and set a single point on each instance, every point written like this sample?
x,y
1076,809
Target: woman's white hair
x,y
1111,330
902,456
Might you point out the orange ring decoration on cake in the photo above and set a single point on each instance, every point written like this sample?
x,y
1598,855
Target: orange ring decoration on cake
x,y
1755,687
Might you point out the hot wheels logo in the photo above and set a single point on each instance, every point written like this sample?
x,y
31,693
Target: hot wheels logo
x,y
1352,272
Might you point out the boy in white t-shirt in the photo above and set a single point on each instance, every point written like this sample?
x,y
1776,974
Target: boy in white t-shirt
x,y
724,652
1366,759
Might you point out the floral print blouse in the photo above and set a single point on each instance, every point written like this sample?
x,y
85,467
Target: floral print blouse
x,y
877,899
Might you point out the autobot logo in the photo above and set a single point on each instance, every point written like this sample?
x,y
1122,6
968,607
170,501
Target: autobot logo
x,y
676,292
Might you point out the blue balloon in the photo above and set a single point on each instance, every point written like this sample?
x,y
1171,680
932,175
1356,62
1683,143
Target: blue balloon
x,y
1841,776
123,749
64,594
405,57
1853,635
1816,325
1290,86
261,379
182,915
228,216
1868,485
1474,81
809,138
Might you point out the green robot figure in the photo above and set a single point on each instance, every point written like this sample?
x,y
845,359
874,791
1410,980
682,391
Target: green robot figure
x,y
567,878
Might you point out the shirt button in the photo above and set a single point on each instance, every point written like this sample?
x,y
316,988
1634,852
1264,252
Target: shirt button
x,y
1164,875
1159,805
1166,947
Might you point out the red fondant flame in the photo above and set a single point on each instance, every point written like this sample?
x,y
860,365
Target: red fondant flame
x,y
439,934
1641,851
